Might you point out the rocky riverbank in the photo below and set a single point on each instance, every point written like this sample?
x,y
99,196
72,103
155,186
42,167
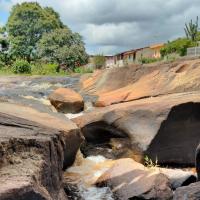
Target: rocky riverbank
x,y
137,141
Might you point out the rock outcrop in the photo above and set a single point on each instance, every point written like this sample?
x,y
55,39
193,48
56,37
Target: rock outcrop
x,y
160,127
141,81
35,147
129,179
66,100
191,192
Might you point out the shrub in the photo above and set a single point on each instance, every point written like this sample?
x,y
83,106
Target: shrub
x,y
82,70
99,61
21,67
2,64
178,46
44,69
149,60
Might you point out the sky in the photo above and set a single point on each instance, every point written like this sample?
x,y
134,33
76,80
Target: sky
x,y
113,26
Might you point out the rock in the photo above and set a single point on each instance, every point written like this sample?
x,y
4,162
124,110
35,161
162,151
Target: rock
x,y
179,177
197,157
35,147
191,192
141,81
160,127
66,100
129,179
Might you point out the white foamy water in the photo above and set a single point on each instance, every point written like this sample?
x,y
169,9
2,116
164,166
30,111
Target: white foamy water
x,y
44,101
40,86
94,193
87,174
97,159
72,116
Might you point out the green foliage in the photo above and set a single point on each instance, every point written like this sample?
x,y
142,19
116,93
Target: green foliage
x,y
63,47
44,69
149,163
21,67
2,29
145,60
178,46
82,70
191,30
2,64
26,25
99,61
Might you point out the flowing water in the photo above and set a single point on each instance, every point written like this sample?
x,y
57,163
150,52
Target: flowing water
x,y
85,174
33,91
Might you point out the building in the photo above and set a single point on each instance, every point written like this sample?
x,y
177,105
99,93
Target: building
x,y
133,56
156,50
130,57
110,61
119,60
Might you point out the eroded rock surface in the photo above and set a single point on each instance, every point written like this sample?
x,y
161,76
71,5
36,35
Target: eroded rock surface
x,y
129,179
165,128
191,192
35,147
141,81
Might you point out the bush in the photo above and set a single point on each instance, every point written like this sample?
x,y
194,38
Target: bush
x,y
149,60
21,67
178,46
99,61
2,64
44,69
82,70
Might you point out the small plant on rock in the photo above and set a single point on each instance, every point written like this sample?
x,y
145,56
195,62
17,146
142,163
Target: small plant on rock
x,y
149,163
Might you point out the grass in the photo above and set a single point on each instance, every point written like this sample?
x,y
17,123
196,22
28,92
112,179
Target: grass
x,y
45,70
149,163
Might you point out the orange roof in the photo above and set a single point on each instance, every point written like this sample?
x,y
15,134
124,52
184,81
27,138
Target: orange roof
x,y
157,45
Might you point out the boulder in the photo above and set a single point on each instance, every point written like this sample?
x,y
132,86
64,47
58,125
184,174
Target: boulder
x,y
66,100
129,179
35,147
160,127
191,192
179,177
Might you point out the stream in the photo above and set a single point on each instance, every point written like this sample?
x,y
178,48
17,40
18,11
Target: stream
x,y
90,164
33,92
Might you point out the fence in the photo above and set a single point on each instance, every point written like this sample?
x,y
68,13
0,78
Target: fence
x,y
194,51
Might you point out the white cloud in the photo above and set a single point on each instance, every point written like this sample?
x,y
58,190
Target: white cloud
x,y
115,25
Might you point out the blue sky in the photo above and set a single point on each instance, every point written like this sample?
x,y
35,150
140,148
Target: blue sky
x,y
111,26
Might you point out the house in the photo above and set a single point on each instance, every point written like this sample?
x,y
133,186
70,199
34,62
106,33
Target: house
x,y
156,50
110,61
130,56
119,60
134,56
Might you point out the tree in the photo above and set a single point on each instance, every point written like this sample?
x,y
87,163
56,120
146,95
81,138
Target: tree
x,y
63,47
4,46
26,25
99,61
178,46
191,30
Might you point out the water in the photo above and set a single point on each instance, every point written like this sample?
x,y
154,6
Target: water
x,y
33,91
86,174
94,193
